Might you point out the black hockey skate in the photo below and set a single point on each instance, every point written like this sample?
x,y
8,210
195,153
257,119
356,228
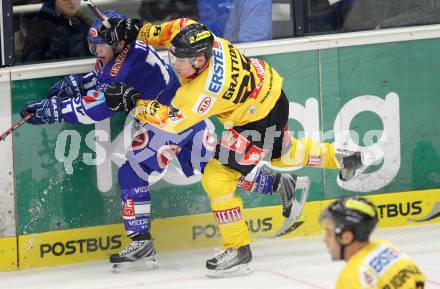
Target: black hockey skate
x,y
292,202
230,262
352,164
137,255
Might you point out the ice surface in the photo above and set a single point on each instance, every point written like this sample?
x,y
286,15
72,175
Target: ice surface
x,y
288,263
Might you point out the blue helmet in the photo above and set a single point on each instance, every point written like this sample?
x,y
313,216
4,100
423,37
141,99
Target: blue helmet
x,y
93,38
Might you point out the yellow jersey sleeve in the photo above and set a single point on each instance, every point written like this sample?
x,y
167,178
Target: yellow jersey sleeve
x,y
347,281
171,119
161,35
190,106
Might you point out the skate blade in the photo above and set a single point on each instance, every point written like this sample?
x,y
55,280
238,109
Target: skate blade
x,y
148,263
239,270
287,227
290,224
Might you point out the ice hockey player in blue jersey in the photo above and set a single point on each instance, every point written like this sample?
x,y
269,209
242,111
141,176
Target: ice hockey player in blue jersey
x,y
80,100
84,99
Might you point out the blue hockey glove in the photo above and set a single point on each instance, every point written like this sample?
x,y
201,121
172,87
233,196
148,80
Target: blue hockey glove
x,y
73,85
45,111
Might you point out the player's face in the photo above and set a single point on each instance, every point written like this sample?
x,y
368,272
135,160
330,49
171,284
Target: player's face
x,y
330,239
182,66
104,52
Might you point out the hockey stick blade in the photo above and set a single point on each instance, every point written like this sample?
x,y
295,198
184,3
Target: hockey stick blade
x,y
15,126
98,13
290,224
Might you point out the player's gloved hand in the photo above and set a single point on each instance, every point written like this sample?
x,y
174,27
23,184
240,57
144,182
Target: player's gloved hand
x,y
69,86
120,30
152,112
89,80
120,96
45,111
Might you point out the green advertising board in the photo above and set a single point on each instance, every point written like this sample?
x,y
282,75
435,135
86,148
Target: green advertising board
x,y
380,98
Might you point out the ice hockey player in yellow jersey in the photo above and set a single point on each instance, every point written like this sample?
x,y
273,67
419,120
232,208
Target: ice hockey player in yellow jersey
x,y
246,95
348,223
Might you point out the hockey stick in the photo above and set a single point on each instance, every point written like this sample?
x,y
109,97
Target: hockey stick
x,y
98,13
15,126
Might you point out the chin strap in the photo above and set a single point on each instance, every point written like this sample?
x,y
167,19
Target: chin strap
x,y
342,251
197,70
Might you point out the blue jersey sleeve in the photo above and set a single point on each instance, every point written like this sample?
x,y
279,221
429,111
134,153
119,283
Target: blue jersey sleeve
x,y
87,109
88,105
139,66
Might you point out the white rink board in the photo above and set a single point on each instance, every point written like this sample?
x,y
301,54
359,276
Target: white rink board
x,y
7,195
290,263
